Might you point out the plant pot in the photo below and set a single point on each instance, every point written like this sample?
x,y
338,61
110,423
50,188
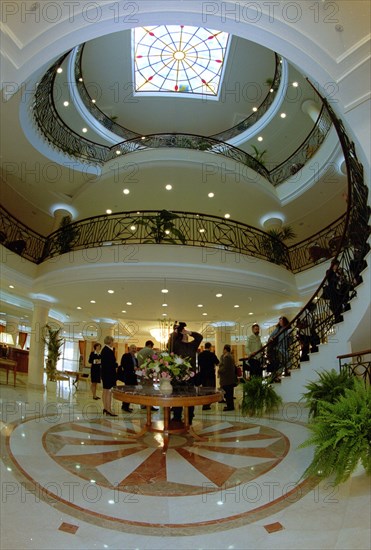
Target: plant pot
x,y
166,386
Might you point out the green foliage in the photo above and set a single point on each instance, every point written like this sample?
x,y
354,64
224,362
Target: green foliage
x,y
161,228
259,397
274,244
54,343
67,235
258,154
330,386
341,433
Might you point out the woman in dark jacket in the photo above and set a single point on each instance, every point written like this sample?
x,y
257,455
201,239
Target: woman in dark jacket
x,y
108,372
126,372
178,343
94,362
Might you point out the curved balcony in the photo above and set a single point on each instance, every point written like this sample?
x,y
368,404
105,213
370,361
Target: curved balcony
x,y
63,138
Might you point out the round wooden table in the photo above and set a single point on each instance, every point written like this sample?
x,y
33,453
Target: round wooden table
x,y
151,396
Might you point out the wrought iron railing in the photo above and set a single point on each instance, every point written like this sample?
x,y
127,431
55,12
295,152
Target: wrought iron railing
x,y
357,364
125,133
295,162
19,238
62,137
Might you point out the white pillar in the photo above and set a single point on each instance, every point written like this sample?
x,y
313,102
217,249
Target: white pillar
x,y
12,324
311,108
222,337
36,362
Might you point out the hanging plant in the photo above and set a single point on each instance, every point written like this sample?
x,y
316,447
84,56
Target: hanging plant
x,y
341,434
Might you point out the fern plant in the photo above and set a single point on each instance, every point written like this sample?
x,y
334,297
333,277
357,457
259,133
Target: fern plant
x,y
329,387
259,397
274,244
161,228
341,434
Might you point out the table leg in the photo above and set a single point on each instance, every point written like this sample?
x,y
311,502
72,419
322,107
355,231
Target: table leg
x,y
149,416
15,375
186,418
166,429
7,375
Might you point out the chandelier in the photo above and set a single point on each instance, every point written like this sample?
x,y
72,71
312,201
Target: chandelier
x,y
163,331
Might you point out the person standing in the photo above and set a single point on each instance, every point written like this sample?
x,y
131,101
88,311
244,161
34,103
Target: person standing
x,y
228,377
180,345
254,344
280,343
95,366
207,361
126,372
145,352
108,373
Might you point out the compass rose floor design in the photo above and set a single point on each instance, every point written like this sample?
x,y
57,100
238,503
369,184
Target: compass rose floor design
x,y
236,476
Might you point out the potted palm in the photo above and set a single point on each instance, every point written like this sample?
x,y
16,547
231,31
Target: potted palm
x,y
67,235
274,244
54,343
161,228
341,434
259,397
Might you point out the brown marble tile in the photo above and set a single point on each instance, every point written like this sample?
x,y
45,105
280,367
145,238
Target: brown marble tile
x,y
273,527
68,528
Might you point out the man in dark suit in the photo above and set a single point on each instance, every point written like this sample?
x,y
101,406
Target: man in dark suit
x,y
126,372
207,361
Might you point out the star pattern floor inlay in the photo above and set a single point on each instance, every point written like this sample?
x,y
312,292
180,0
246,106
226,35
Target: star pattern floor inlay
x,y
110,471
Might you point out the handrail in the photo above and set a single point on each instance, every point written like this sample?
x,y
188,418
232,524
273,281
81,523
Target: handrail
x,y
60,135
361,368
125,133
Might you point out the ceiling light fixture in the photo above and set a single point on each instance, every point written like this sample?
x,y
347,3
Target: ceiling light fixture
x,y
66,103
168,187
126,191
227,216
211,195
219,295
260,138
129,303
110,291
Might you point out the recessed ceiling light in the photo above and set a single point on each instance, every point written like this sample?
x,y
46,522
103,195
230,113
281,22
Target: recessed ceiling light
x,y
123,311
66,103
78,307
236,305
202,230
200,305
93,302
133,227
168,187
211,195
93,100
11,286
164,314
260,138
164,305
118,152
143,137
295,84
59,70
251,313
108,211
81,79
227,215
164,291
254,109
204,314
84,130
129,303
283,115
126,191
110,291
219,295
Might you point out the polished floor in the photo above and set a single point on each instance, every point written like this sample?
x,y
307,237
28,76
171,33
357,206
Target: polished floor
x,y
72,478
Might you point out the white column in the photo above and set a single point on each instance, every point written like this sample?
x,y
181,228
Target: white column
x,y
311,108
222,337
36,362
12,324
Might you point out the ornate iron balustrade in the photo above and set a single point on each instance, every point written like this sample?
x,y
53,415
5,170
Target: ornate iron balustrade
x,y
295,162
61,136
359,365
19,238
125,133
315,322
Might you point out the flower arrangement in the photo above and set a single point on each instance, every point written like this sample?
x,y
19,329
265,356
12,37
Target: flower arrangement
x,y
164,365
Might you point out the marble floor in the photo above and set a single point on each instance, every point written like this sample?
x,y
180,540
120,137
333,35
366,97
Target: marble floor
x,y
71,478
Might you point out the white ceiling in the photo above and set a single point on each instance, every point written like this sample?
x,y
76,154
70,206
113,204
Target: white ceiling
x,y
36,185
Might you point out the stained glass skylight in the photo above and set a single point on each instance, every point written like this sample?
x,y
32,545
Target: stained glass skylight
x,y
179,59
